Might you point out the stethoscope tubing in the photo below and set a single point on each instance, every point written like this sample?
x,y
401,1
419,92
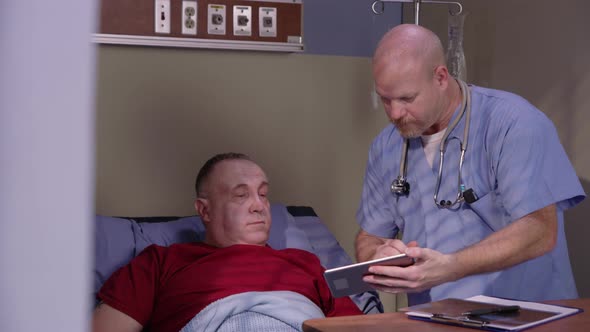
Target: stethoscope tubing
x,y
401,181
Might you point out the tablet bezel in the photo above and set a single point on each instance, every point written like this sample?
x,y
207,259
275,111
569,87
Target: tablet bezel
x,y
348,280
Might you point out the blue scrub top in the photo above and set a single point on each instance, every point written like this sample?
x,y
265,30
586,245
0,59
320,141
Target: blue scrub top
x,y
514,163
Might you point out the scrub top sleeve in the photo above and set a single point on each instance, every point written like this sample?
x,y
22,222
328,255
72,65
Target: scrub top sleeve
x,y
532,168
374,214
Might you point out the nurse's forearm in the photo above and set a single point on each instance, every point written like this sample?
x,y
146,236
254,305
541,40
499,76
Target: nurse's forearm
x,y
365,245
527,238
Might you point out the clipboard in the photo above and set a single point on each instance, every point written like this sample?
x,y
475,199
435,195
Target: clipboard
x,y
455,312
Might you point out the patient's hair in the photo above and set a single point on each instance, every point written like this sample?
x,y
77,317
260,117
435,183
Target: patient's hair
x,y
207,168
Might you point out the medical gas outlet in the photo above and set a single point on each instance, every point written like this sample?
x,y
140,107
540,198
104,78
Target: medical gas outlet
x,y
242,20
216,19
267,21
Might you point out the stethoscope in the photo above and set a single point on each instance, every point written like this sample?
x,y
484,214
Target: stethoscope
x,y
400,185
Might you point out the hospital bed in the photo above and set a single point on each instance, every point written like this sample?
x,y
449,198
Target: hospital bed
x,y
119,239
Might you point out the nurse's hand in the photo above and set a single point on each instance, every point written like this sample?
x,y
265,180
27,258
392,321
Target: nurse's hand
x,y
392,247
431,268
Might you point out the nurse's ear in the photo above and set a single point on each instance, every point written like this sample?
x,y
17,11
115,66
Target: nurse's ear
x,y
441,76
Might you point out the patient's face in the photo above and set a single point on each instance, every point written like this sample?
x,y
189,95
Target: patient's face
x,y
237,208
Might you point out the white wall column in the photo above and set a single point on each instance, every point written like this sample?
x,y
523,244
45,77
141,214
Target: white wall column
x,y
47,66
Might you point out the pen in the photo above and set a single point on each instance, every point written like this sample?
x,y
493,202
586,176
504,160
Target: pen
x,y
464,320
493,310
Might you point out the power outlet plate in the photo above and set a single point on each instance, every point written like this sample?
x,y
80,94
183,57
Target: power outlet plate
x,y
162,16
267,21
216,19
189,18
242,20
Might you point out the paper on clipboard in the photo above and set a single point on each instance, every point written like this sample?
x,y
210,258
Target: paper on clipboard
x,y
450,311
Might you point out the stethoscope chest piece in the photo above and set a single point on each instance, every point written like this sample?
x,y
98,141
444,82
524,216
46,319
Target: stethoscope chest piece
x,y
400,186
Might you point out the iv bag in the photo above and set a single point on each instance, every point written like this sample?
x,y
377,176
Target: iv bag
x,y
455,54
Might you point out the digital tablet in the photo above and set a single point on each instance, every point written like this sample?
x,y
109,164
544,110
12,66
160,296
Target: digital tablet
x,y
348,280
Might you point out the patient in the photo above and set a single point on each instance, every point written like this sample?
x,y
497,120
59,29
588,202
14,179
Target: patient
x,y
231,281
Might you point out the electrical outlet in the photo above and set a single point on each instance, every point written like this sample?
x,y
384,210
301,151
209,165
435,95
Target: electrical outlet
x,y
189,18
162,16
216,19
242,20
267,22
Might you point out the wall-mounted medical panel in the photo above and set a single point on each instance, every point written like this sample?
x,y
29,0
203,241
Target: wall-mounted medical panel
x,y
221,24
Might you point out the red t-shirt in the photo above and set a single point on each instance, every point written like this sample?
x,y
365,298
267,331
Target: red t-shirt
x,y
163,288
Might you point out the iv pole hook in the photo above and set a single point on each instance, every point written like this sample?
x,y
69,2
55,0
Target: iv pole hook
x,y
382,10
375,11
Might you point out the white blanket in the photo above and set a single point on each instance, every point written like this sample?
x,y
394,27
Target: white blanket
x,y
257,311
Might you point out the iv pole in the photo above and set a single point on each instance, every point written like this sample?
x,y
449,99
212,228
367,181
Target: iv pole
x,y
417,4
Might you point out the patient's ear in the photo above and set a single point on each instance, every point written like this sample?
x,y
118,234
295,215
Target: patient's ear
x,y
202,208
